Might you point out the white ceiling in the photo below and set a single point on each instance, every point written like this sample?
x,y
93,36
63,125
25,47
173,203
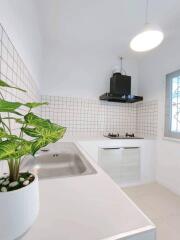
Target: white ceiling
x,y
100,25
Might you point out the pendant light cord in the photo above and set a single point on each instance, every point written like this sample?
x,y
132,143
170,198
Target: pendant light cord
x,y
146,11
122,69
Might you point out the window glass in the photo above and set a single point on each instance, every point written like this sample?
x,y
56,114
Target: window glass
x,y
172,107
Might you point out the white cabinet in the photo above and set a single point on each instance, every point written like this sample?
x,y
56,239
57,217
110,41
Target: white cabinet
x,y
147,159
122,164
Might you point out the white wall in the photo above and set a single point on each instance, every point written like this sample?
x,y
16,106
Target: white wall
x,y
84,38
152,70
20,20
81,72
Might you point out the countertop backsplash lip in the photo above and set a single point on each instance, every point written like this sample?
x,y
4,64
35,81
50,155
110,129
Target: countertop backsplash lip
x,y
93,117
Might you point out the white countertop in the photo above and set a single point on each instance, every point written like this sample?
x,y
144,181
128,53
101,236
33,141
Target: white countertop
x,y
84,137
90,207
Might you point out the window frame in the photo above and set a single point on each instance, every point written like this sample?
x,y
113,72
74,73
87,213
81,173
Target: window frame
x,y
168,109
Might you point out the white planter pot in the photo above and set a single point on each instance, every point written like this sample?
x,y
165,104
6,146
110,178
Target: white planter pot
x,y
18,210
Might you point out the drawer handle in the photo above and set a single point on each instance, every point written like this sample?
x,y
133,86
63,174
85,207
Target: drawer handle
x,y
131,147
113,148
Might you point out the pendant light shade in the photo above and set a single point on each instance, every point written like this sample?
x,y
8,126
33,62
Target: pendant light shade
x,y
146,40
149,38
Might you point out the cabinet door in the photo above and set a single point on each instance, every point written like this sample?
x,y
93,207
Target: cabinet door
x,y
121,164
130,165
110,161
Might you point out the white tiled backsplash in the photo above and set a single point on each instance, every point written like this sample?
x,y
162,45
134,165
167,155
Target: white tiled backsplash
x,y
147,118
94,117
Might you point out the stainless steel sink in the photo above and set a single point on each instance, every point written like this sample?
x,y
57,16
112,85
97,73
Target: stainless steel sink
x,y
65,160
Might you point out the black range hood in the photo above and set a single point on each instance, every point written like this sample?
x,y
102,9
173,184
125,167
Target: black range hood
x,y
120,90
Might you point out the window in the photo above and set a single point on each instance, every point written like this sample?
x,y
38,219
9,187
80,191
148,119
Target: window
x,y
172,116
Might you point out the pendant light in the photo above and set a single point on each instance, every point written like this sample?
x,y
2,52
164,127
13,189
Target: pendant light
x,y
149,38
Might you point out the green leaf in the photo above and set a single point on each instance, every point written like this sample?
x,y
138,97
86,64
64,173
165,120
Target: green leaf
x,y
32,132
4,84
44,131
46,136
41,142
7,149
3,133
35,104
52,133
35,121
20,121
25,148
10,107
43,127
14,149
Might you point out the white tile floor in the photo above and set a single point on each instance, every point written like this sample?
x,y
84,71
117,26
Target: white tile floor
x,y
161,206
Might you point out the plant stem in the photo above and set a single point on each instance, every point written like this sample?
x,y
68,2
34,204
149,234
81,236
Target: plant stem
x,y
5,126
24,125
2,123
14,165
11,169
17,168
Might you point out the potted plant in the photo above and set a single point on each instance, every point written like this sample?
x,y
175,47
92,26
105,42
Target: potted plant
x,y
19,194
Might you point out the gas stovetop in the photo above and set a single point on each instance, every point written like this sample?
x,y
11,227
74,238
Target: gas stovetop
x,y
126,136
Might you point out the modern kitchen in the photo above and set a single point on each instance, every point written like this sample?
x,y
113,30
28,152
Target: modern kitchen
x,y
89,120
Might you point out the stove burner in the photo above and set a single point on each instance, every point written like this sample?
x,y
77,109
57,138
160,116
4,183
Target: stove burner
x,y
130,135
126,136
113,135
